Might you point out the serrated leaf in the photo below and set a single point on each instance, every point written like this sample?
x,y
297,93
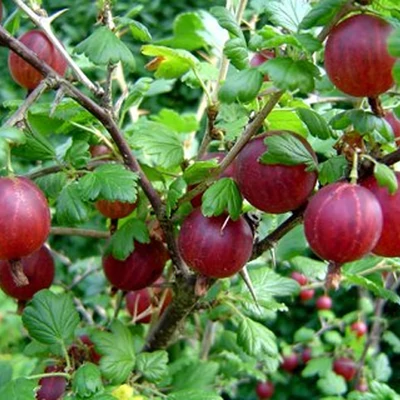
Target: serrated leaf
x,y
227,20
18,389
139,31
393,340
332,384
206,71
185,123
121,243
71,208
52,184
223,195
290,74
287,149
288,13
321,13
110,182
317,366
175,191
193,394
153,366
117,350
386,177
256,339
381,367
171,63
196,172
78,154
286,119
51,318
332,170
309,42
13,135
87,380
196,375
36,147
310,267
242,86
316,125
103,47
236,51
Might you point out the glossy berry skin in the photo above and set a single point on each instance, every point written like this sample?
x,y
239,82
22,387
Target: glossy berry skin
x,y
265,390
343,222
26,75
345,367
115,209
52,388
356,56
306,294
306,355
140,269
214,247
260,58
100,150
388,244
38,268
290,362
360,328
324,303
24,218
299,278
272,188
394,122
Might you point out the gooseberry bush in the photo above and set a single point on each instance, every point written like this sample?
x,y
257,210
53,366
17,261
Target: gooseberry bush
x,y
199,201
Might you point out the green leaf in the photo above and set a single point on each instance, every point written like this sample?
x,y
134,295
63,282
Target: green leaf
x,y
287,13
223,195
381,367
87,380
158,141
317,366
394,43
71,208
103,47
332,384
256,339
6,373
236,51
13,135
242,86
78,154
176,190
139,31
287,149
393,340
4,153
52,184
290,74
227,20
196,172
286,119
206,71
185,123
304,335
36,147
51,318
121,243
193,394
309,42
332,170
110,182
18,389
153,366
117,350
321,13
316,125
396,72
171,63
386,177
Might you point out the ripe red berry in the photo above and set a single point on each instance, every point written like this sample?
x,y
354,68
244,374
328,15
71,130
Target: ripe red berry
x,y
290,362
273,188
343,222
115,209
24,218
306,355
360,328
140,269
299,278
26,75
345,367
260,58
324,303
52,388
356,56
38,268
93,355
306,294
388,244
394,122
216,247
100,150
265,390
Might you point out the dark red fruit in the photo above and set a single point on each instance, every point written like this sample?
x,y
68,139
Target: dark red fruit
x,y
343,222
299,278
306,355
388,244
216,247
26,75
100,150
306,294
356,56
394,122
115,209
142,267
93,355
24,218
273,188
228,173
360,328
52,388
345,367
324,303
1,10
260,58
143,304
265,390
38,268
290,362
